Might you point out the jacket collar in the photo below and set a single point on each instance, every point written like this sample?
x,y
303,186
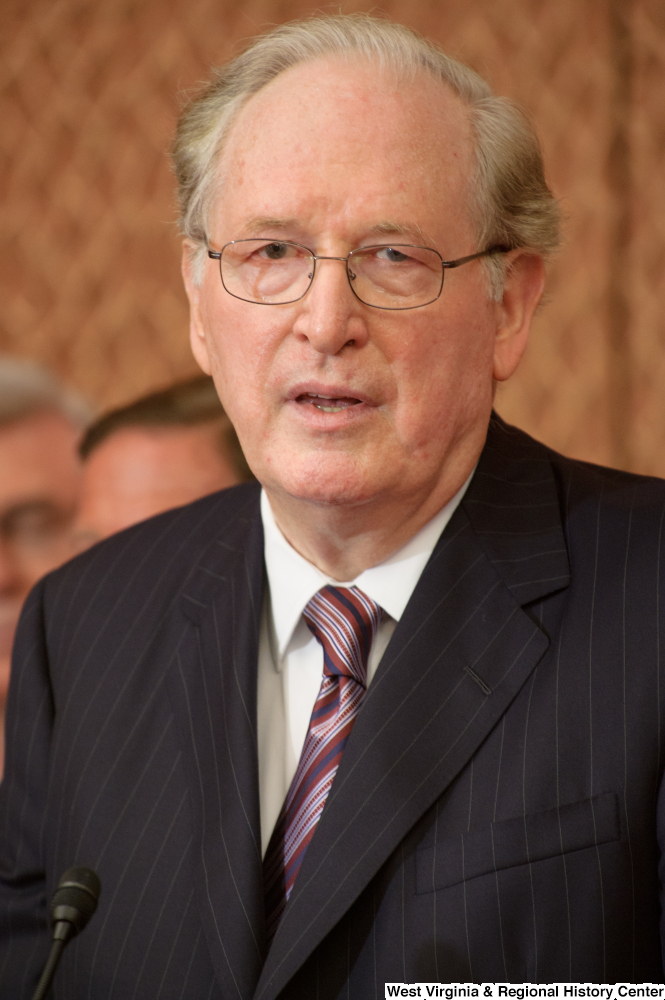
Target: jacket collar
x,y
514,507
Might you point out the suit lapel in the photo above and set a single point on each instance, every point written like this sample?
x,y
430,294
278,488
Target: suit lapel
x,y
462,651
213,692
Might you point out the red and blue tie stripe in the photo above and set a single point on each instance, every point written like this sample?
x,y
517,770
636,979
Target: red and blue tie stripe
x,y
344,620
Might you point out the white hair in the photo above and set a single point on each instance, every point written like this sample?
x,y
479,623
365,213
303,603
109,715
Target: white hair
x,y
27,388
512,205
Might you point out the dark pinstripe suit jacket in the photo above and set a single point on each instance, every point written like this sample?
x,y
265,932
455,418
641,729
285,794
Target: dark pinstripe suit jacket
x,y
494,817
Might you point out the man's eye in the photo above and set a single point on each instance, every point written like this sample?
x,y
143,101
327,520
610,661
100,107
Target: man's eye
x,y
275,251
33,522
394,256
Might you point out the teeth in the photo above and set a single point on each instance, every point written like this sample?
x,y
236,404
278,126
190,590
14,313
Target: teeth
x,y
313,398
325,409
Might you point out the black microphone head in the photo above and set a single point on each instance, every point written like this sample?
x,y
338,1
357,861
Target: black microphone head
x,y
75,899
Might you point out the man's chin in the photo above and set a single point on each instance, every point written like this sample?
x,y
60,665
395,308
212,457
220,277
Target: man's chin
x,y
326,496
325,484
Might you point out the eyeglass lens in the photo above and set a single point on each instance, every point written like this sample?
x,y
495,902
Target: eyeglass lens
x,y
393,277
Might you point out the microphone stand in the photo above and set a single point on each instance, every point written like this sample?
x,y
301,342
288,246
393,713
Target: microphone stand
x,y
73,903
48,971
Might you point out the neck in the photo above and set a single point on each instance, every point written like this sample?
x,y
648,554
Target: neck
x,y
344,540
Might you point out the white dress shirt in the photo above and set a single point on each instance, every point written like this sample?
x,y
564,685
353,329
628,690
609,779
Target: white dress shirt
x,y
291,659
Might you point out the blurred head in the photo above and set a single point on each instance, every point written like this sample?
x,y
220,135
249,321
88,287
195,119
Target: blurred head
x,y
343,133
163,450
40,427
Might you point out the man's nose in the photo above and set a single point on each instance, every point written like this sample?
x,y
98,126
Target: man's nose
x,y
331,317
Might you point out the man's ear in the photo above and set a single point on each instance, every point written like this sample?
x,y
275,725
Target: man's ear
x,y
197,336
523,290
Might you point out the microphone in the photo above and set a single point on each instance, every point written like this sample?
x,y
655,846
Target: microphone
x,y
73,903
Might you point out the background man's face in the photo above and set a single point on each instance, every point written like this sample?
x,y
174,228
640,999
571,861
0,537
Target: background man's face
x,y
39,482
139,471
335,155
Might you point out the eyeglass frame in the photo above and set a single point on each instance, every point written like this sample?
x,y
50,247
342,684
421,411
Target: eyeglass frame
x,y
445,265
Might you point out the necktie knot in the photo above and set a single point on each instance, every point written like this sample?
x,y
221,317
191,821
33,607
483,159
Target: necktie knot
x,y
344,620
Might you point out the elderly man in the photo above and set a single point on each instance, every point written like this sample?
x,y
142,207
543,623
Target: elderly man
x,y
396,717
40,472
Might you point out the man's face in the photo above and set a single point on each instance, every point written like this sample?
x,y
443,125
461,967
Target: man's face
x,y
39,483
139,471
334,156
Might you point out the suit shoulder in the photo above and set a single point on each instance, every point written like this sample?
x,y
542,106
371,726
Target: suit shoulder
x,y
611,488
163,548
576,480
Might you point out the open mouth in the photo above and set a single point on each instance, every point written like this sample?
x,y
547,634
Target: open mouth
x,y
327,404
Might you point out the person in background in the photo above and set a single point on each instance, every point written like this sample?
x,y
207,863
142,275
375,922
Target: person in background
x,y
161,451
40,476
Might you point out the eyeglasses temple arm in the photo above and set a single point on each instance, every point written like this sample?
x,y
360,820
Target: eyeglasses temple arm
x,y
215,254
474,256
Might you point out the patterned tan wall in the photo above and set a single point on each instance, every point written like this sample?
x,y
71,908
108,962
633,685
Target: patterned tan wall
x,y
89,282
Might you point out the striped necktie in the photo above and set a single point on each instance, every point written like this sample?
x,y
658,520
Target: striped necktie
x,y
344,620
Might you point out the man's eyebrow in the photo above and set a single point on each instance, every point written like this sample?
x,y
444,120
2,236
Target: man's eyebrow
x,y
409,232
260,223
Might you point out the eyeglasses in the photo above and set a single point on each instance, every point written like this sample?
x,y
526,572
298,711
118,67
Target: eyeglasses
x,y
278,272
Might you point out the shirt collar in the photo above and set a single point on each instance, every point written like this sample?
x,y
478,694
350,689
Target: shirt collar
x,y
293,580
